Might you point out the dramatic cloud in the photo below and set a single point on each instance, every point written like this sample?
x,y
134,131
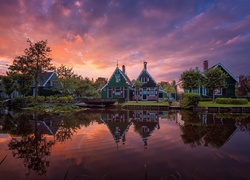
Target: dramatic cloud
x,y
92,35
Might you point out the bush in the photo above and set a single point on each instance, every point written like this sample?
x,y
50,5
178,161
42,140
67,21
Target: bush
x,y
63,99
190,100
40,98
70,99
238,101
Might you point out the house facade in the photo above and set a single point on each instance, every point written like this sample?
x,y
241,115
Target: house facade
x,y
118,86
149,90
228,91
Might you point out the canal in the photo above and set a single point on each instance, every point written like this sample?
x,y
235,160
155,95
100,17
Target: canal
x,y
132,144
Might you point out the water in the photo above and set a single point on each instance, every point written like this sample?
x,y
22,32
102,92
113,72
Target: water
x,y
97,144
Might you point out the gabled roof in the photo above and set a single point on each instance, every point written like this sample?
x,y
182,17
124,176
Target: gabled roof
x,y
225,69
44,78
124,76
151,82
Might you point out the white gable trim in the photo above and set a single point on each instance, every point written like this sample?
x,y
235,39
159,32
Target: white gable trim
x,y
112,77
48,78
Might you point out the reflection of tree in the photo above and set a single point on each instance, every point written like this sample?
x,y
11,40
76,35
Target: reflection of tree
x,y
31,147
192,134
242,124
67,127
206,129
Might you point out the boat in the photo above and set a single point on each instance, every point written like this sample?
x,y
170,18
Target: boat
x,y
98,102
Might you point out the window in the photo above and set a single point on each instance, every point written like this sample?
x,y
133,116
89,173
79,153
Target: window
x,y
117,78
143,79
195,91
152,91
218,91
117,91
204,91
109,92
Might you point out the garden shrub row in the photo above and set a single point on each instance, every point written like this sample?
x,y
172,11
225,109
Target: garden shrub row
x,y
29,100
238,101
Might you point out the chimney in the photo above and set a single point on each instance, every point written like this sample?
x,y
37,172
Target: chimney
x,y
123,69
205,65
145,65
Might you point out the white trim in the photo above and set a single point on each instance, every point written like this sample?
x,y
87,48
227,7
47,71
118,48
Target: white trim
x,y
48,79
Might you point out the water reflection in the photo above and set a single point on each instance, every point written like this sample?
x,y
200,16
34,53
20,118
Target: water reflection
x,y
210,129
34,136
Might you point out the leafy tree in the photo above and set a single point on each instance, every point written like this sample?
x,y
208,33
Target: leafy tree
x,y
100,82
23,82
166,86
137,85
65,76
9,83
215,79
36,60
191,79
243,87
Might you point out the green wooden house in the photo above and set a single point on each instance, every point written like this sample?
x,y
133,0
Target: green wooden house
x,y
118,86
228,91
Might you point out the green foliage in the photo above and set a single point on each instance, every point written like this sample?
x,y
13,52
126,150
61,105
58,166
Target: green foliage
x,y
41,98
63,99
35,61
191,79
215,79
238,101
189,100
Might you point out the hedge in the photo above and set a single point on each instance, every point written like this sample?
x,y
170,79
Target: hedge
x,y
238,101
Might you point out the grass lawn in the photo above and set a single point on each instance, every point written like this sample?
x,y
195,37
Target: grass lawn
x,y
211,104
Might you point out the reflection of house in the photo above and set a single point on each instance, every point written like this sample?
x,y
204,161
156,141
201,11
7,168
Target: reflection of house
x,y
118,124
118,86
149,91
145,122
228,91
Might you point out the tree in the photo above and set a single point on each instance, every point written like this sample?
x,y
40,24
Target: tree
x,y
9,83
243,87
23,83
137,86
36,60
65,76
191,79
167,87
215,79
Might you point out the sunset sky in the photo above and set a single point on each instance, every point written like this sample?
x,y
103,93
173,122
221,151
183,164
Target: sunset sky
x,y
93,35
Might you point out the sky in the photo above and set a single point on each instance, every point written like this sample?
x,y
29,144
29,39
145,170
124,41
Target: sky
x,y
93,36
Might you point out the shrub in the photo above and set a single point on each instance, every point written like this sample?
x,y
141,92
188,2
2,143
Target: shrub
x,y
190,100
29,99
40,98
63,99
70,99
238,101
